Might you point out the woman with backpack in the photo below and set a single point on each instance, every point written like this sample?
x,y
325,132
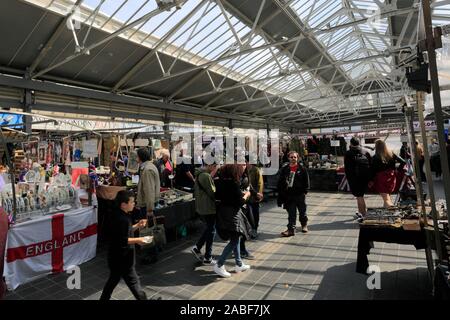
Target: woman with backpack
x,y
384,171
357,170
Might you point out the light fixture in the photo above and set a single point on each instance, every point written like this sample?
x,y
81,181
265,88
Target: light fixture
x,y
164,4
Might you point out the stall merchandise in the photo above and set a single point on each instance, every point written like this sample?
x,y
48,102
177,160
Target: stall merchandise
x,y
171,196
35,197
401,224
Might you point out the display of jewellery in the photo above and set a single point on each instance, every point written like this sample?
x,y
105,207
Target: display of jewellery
x,y
32,201
172,196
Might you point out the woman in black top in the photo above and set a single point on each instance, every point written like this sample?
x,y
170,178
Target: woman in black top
x,y
231,224
384,171
121,254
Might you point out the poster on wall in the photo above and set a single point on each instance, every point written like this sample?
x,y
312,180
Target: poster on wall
x,y
77,150
90,148
50,149
31,150
133,165
58,152
42,152
67,152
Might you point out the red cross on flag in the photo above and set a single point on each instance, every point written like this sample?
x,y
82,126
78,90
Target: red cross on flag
x,y
50,244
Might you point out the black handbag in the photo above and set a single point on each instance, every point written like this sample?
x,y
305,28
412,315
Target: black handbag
x,y
157,231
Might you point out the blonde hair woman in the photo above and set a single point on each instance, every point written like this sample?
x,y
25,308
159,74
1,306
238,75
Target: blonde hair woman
x,y
421,159
384,171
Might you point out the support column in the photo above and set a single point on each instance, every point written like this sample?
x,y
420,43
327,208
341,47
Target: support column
x,y
27,102
439,118
420,109
419,189
166,126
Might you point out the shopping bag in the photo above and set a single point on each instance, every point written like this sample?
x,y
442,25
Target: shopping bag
x,y
158,233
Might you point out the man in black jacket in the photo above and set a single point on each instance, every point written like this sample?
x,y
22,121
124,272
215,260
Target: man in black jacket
x,y
293,186
121,254
357,163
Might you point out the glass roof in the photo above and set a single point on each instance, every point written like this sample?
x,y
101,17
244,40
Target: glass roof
x,y
203,31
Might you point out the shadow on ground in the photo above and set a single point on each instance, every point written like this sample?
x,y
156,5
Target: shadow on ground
x,y
343,283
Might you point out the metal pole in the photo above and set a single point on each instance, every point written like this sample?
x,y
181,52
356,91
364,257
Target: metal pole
x,y
27,101
420,108
439,118
11,172
419,191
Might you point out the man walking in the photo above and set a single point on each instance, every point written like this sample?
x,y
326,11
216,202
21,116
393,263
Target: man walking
x,y
293,186
205,205
121,254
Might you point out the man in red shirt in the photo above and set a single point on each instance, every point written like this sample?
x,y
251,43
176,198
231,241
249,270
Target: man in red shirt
x,y
293,186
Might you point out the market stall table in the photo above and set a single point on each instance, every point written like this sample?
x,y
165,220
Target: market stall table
x,y
322,179
50,244
177,214
369,234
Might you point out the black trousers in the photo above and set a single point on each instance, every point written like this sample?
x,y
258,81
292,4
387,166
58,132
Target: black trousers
x,y
208,235
254,211
127,272
291,207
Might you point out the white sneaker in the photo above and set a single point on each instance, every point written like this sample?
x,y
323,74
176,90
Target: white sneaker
x,y
242,268
221,271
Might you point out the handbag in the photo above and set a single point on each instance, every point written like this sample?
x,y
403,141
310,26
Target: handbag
x,y
157,231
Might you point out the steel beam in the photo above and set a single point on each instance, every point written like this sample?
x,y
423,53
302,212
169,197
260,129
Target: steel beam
x,y
142,62
110,97
55,35
105,40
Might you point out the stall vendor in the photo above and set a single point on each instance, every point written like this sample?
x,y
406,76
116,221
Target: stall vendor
x,y
165,169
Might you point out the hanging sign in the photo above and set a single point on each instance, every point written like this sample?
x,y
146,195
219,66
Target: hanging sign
x,y
335,143
430,125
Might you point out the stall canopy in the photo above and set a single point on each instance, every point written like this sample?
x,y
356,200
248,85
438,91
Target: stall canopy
x,y
282,63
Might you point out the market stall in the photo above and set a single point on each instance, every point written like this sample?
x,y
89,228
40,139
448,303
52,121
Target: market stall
x,y
177,207
46,192
402,225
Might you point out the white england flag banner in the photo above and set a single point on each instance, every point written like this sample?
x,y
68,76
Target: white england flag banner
x,y
50,244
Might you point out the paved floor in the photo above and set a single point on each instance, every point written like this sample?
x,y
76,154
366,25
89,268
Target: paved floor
x,y
317,265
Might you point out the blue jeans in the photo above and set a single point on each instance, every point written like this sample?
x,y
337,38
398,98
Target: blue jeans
x,y
233,245
208,235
